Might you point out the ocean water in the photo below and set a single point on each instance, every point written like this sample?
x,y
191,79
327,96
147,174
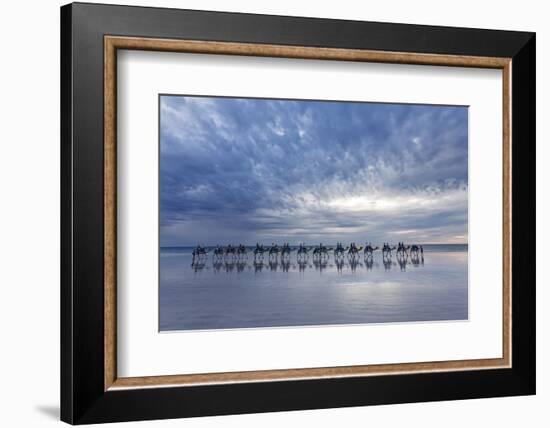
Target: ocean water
x,y
233,295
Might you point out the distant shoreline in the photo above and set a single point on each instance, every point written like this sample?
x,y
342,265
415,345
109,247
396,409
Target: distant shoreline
x,y
172,247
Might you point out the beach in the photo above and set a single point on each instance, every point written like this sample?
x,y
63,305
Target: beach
x,y
230,295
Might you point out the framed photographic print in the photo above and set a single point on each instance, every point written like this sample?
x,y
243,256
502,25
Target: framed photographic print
x,y
264,213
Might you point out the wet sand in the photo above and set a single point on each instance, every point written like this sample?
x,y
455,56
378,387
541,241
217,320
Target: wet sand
x,y
251,295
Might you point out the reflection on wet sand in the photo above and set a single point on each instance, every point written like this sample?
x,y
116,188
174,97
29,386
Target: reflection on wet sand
x,y
297,291
317,264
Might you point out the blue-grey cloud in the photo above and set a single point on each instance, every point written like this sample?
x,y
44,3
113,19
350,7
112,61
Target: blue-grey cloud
x,y
247,170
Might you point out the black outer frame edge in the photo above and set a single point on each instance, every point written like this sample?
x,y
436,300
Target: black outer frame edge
x,y
66,306
524,213
300,31
83,398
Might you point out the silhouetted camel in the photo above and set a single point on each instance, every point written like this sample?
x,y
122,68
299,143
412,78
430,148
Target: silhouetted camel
x,y
369,250
274,252
199,253
242,252
340,251
353,251
302,253
259,252
321,252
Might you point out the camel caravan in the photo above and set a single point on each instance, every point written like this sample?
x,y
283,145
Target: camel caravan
x,y
319,253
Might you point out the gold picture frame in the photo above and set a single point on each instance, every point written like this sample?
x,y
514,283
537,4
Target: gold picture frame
x,y
114,43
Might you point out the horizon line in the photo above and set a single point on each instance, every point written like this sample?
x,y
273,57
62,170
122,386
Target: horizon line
x,y
253,245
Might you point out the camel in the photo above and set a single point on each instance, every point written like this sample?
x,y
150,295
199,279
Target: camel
x,y
340,251
199,253
387,250
369,250
402,250
285,251
274,252
242,252
302,254
417,255
229,252
259,252
321,252
353,251
218,253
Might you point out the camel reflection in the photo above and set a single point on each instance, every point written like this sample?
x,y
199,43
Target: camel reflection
x,y
321,264
369,263
339,262
258,266
217,266
240,266
417,260
402,263
198,267
285,265
354,263
273,265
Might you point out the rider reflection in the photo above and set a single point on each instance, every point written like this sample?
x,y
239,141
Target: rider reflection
x,y
231,258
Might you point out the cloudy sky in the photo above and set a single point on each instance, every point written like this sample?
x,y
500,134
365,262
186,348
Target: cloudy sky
x,y
247,170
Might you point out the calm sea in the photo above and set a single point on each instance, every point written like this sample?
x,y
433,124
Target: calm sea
x,y
246,295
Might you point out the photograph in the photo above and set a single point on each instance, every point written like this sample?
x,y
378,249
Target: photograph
x,y
296,213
